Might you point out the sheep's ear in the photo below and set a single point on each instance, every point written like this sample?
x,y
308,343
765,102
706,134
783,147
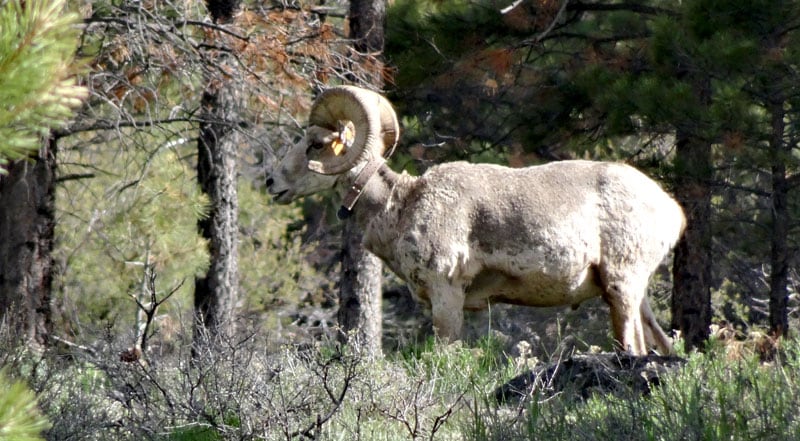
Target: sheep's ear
x,y
345,137
332,144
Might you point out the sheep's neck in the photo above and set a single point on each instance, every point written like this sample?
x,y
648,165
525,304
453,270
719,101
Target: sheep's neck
x,y
375,192
379,210
357,188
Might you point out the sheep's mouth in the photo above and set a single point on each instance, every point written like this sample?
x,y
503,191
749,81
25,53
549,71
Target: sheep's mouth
x,y
279,196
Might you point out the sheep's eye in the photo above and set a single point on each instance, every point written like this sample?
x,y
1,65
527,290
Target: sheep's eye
x,y
314,145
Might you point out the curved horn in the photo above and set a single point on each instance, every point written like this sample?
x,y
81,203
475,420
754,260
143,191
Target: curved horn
x,y
390,127
375,123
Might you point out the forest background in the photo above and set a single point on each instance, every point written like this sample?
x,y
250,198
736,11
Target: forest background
x,y
139,226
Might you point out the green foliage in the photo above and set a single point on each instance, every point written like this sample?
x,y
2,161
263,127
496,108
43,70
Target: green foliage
x,y
274,268
150,206
37,87
146,203
426,37
486,358
20,419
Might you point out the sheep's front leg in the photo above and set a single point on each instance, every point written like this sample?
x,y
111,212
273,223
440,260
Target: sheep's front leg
x,y
628,330
625,302
447,309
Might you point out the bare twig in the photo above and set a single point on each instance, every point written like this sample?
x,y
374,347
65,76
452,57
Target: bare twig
x,y
336,398
146,311
553,23
72,345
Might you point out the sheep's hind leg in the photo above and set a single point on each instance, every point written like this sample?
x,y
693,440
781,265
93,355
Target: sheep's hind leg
x,y
654,335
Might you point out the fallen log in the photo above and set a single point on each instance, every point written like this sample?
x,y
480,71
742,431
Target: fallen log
x,y
583,375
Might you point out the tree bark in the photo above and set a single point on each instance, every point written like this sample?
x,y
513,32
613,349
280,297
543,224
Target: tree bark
x,y
360,288
691,271
360,292
367,20
216,293
781,223
27,222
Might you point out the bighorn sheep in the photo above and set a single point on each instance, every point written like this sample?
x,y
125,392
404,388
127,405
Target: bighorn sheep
x,y
463,235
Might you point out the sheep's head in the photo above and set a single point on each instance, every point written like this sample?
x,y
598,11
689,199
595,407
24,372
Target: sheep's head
x,y
347,126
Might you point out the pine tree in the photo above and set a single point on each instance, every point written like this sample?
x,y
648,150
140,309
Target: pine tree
x,y
20,419
151,64
38,92
216,293
38,88
768,31
360,292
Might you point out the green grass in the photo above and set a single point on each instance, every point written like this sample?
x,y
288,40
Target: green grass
x,y
194,433
712,398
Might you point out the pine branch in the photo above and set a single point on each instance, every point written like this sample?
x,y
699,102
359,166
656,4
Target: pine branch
x,y
578,6
37,88
164,27
74,177
115,125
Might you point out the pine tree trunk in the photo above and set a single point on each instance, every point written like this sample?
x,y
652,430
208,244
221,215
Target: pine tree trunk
x,y
27,221
781,222
360,289
691,271
367,30
360,292
216,294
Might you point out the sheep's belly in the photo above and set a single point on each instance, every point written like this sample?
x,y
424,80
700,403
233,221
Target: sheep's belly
x,y
493,286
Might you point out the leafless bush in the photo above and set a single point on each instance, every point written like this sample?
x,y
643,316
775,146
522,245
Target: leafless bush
x,y
421,412
238,390
234,389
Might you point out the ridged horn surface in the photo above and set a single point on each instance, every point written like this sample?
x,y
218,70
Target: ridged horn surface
x,y
375,123
390,128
